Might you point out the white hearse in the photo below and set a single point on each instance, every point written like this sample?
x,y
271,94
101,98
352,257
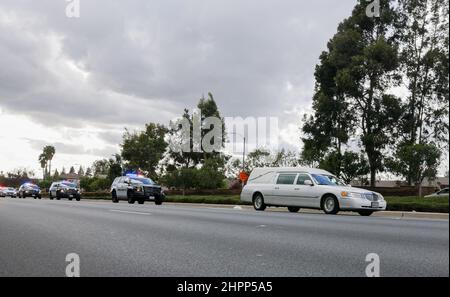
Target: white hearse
x,y
297,188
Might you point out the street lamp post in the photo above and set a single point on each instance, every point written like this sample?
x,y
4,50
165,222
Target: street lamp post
x,y
243,156
243,152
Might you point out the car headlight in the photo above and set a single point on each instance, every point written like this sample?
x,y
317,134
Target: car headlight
x,y
138,189
357,195
351,194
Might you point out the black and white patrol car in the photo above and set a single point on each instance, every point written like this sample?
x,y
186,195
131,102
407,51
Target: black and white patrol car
x,y
64,189
136,188
29,190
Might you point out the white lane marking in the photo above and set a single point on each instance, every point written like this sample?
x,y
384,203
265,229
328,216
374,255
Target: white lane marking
x,y
131,212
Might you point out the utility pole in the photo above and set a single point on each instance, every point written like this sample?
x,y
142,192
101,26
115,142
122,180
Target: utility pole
x,y
243,157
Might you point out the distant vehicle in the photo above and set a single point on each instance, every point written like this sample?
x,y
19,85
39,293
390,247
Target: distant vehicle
x,y
441,193
134,188
64,189
29,190
8,192
297,188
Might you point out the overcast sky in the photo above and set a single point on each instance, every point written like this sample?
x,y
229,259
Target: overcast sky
x,y
75,83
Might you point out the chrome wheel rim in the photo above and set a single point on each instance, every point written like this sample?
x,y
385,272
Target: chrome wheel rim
x,y
329,204
258,202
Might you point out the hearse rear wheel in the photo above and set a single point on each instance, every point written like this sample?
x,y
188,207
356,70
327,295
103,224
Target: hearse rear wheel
x,y
258,202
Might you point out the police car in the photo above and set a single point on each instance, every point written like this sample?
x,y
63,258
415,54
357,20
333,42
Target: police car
x,y
136,188
29,190
8,192
64,189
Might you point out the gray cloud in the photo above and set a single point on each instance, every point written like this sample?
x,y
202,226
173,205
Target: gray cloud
x,y
147,60
74,149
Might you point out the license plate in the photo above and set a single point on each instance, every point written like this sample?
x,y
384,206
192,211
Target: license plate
x,y
375,204
71,196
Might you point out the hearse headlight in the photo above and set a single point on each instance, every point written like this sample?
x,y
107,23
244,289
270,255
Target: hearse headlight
x,y
346,194
357,195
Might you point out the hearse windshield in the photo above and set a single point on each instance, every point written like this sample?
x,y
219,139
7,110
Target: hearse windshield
x,y
323,180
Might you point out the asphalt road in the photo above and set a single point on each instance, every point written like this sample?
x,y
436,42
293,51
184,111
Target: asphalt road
x,y
173,240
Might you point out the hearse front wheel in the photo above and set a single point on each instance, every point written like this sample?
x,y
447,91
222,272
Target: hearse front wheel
x,y
330,205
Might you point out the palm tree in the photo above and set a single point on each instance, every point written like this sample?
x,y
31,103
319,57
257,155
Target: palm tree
x,y
43,161
49,152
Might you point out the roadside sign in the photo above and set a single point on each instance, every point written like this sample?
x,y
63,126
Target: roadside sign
x,y
243,177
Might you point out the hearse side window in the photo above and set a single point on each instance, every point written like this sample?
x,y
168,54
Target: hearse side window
x,y
302,178
286,179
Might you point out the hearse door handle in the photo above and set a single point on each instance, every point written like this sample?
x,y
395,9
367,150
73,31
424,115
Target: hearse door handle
x,y
277,188
296,189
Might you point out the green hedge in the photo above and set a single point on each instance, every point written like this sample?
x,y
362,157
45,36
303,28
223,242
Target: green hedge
x,y
418,204
231,200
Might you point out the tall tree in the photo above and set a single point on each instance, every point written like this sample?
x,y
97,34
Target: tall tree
x,y
72,170
49,152
425,62
56,175
329,129
196,136
81,171
365,54
43,162
143,150
115,167
100,167
88,172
